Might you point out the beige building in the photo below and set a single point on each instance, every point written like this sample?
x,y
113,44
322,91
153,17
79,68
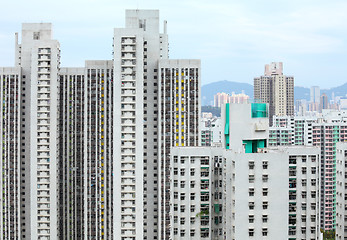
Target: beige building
x,y
275,89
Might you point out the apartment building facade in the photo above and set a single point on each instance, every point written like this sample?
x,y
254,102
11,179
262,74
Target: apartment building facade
x,y
323,132
247,191
11,181
87,148
341,194
275,89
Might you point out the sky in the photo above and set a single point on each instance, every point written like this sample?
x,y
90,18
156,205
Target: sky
x,y
233,38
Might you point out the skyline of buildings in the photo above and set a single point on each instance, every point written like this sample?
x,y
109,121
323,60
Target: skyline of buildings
x,y
118,149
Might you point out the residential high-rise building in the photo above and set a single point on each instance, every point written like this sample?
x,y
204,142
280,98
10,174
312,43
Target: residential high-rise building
x,y
245,190
38,56
11,159
86,150
324,102
315,94
220,99
341,191
323,132
275,89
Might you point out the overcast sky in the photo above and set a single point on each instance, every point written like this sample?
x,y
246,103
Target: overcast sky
x,y
233,38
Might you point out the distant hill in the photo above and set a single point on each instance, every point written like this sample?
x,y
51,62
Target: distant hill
x,y
338,91
214,110
209,90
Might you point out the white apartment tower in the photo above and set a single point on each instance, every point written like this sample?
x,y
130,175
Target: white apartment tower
x,y
341,191
156,105
38,56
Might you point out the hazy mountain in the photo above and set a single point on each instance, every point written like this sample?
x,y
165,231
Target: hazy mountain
x,y
209,90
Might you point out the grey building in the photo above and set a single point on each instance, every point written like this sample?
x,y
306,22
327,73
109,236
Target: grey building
x,y
275,89
86,150
245,190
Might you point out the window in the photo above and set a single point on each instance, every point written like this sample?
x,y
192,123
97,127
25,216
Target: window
x,y
251,218
303,230
251,178
192,196
303,170
192,232
175,231
192,184
264,231
265,178
265,191
182,221
192,220
251,192
251,232
182,232
182,172
175,171
265,218
175,183
175,219
313,170
192,208
265,205
192,172
36,35
303,182
265,164
175,195
251,205
183,196
251,165
183,208
183,184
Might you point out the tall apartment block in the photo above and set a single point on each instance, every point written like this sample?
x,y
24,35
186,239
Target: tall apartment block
x,y
245,190
180,118
38,57
86,150
315,94
341,191
324,132
11,163
299,129
86,168
275,89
